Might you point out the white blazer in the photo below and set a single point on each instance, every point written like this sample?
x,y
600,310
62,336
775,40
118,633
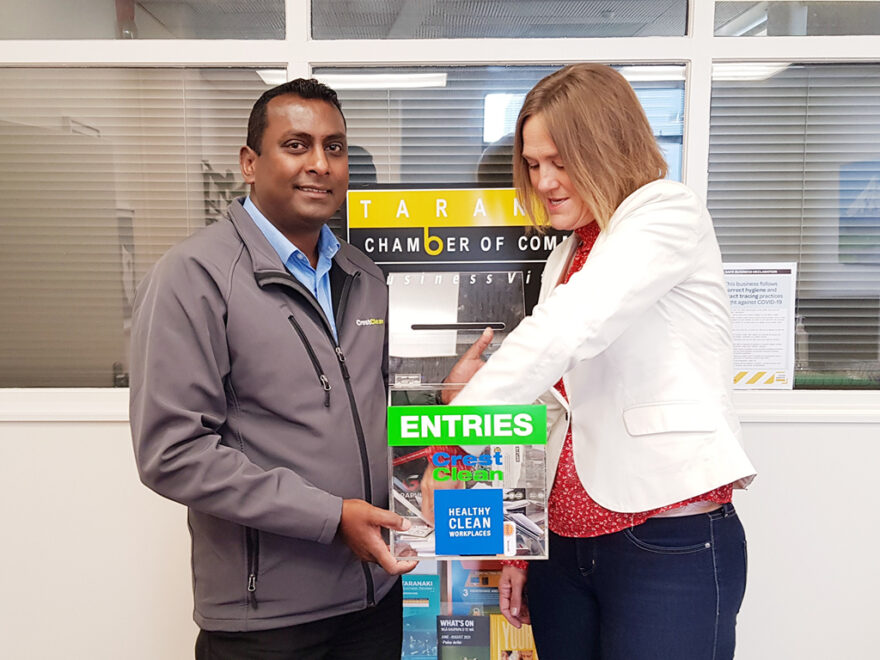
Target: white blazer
x,y
641,335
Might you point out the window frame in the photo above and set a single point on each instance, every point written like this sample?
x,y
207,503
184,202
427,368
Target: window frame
x,y
299,54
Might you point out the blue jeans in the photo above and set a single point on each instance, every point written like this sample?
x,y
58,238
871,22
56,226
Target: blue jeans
x,y
668,589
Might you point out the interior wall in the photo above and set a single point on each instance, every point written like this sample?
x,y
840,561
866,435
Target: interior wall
x,y
97,566
812,580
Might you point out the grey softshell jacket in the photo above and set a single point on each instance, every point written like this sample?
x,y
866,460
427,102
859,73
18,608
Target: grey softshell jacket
x,y
245,409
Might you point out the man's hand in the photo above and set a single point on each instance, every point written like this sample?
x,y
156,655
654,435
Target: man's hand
x,y
510,596
468,364
360,528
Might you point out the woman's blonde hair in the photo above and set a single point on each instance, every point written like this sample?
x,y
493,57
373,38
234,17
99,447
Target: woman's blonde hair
x,y
601,132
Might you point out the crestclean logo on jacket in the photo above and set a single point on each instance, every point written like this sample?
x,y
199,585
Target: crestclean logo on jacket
x,y
370,321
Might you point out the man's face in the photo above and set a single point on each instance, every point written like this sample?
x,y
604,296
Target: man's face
x,y
300,177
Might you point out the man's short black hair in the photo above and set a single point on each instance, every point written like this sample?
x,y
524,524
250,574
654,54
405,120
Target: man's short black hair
x,y
304,88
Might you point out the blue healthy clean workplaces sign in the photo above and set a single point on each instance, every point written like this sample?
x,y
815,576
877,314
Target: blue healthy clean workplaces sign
x,y
469,522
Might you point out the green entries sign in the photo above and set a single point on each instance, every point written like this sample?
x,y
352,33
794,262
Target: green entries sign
x,y
411,426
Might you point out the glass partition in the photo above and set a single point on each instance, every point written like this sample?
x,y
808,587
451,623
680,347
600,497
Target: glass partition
x,y
790,19
445,19
142,19
794,175
103,170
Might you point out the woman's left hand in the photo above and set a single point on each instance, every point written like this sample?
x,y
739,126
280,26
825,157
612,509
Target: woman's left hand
x,y
510,596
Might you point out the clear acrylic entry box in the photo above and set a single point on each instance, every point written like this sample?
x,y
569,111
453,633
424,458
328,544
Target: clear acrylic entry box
x,y
469,479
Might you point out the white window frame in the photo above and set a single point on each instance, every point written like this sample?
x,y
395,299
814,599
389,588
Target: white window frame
x,y
300,55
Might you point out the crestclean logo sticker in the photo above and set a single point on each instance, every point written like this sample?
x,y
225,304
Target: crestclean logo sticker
x,y
370,321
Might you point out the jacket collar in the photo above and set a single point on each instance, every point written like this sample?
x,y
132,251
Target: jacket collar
x,y
264,258
558,260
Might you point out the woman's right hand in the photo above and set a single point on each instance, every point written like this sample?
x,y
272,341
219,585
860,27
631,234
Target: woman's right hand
x,y
510,596
468,364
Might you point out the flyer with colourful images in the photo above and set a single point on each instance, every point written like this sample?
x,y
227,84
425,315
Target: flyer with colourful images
x,y
509,643
470,480
463,637
472,586
421,606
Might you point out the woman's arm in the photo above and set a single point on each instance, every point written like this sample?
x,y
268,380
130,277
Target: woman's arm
x,y
653,243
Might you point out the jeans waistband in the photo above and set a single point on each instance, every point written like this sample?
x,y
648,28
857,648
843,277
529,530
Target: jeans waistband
x,y
698,509
692,509
725,511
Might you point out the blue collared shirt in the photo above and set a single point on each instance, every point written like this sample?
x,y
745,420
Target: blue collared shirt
x,y
316,280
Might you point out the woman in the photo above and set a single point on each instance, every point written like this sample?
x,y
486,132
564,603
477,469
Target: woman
x,y
631,344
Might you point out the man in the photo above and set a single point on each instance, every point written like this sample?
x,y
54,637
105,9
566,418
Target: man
x,y
258,400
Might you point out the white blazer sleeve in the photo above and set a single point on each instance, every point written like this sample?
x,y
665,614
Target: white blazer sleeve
x,y
652,243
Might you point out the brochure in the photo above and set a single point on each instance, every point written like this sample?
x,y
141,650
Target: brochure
x,y
473,586
421,606
463,637
509,643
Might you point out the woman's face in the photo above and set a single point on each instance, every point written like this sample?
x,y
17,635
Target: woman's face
x,y
565,209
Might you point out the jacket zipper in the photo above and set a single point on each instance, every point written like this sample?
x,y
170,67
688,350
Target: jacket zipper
x,y
359,430
371,589
325,383
252,544
291,281
346,289
346,376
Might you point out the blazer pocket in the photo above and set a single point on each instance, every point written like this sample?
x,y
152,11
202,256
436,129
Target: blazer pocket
x,y
669,417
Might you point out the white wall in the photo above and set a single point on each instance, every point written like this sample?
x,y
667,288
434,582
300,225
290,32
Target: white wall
x,y
812,537
97,567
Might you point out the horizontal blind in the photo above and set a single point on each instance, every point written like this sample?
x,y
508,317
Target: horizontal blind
x,y
435,135
102,170
794,175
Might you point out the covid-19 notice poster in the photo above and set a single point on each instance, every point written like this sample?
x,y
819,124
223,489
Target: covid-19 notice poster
x,y
762,305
